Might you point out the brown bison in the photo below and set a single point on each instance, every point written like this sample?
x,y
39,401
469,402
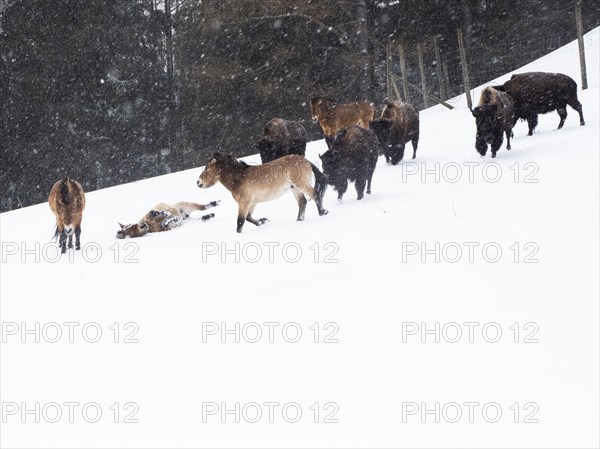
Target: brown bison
x,y
352,157
536,93
67,202
398,125
280,138
494,116
334,117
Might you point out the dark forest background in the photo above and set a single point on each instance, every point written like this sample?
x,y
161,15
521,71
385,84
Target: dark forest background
x,y
111,91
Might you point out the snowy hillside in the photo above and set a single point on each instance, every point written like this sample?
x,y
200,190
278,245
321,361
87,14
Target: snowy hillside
x,y
509,245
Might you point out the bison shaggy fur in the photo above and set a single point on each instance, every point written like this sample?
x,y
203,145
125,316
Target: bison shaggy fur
x,y
398,125
536,93
281,138
352,158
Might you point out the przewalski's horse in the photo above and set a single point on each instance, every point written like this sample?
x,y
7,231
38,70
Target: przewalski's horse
x,y
334,117
164,217
494,116
253,184
67,201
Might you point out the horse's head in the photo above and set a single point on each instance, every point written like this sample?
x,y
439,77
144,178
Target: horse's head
x,y
133,230
212,172
315,109
319,106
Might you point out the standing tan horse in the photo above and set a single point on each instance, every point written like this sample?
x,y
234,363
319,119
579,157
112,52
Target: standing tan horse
x,y
253,184
164,217
67,201
334,117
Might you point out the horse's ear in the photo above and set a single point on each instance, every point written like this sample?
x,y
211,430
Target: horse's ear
x,y
320,157
122,225
475,112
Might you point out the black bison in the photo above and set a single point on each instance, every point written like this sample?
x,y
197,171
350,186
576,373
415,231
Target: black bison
x,y
352,157
398,125
280,138
494,116
538,93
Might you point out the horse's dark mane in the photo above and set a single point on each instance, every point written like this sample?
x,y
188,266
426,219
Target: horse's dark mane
x,y
64,191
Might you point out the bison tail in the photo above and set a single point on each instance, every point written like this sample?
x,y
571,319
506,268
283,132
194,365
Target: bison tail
x,y
320,182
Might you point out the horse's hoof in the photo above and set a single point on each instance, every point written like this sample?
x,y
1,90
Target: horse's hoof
x,y
77,248
324,212
214,203
493,155
262,221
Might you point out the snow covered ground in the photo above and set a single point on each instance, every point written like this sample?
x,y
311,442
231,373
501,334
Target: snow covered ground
x,y
497,260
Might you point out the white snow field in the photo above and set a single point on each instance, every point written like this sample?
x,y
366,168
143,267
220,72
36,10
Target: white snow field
x,y
497,260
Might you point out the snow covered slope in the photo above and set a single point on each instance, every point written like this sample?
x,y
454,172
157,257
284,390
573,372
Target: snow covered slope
x,y
508,246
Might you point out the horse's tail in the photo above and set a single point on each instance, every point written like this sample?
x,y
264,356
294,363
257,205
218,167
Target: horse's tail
x,y
320,181
64,191
56,234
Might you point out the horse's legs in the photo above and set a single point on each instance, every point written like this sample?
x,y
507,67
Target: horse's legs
x,y
242,214
70,241
62,241
77,237
301,203
171,222
254,221
187,207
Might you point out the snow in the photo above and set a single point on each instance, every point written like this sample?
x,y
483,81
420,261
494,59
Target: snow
x,y
166,289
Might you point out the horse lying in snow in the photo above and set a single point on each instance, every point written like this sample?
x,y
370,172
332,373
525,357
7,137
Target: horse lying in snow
x,y
164,217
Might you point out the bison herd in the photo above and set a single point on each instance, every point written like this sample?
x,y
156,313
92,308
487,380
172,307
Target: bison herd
x,y
355,139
